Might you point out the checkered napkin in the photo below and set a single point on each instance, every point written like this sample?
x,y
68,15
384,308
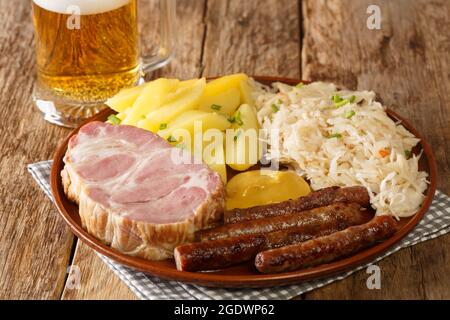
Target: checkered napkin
x,y
435,223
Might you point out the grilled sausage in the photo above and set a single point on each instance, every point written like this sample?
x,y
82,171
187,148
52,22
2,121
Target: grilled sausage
x,y
312,221
218,254
320,198
326,249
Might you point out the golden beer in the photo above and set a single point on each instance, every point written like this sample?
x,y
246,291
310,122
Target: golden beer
x,y
87,50
89,53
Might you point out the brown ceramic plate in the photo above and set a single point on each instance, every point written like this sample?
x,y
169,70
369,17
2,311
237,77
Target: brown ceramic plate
x,y
245,275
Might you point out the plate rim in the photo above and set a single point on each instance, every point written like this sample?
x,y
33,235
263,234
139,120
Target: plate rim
x,y
243,280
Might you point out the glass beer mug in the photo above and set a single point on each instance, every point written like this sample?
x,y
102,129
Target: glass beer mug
x,y
87,50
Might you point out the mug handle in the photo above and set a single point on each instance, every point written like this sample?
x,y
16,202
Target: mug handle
x,y
168,41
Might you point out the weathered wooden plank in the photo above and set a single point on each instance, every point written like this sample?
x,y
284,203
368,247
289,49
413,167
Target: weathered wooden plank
x,y
98,281
35,243
256,37
407,63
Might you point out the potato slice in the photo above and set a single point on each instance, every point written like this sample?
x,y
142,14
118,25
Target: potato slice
x,y
187,121
151,98
219,85
225,102
181,89
242,144
186,83
246,90
187,99
247,116
122,115
147,125
214,153
125,98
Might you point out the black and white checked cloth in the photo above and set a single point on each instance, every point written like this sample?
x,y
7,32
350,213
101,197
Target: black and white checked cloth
x,y
435,223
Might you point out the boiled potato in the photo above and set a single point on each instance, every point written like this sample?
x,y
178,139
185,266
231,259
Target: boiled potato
x,y
152,97
246,89
122,115
248,118
187,83
186,99
214,154
242,143
223,94
187,121
181,89
219,85
183,119
147,125
125,98
219,167
225,102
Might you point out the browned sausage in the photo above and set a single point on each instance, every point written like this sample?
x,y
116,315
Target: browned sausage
x,y
326,249
218,254
312,221
320,198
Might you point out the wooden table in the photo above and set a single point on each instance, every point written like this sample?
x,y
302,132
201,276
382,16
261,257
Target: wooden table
x,y
406,62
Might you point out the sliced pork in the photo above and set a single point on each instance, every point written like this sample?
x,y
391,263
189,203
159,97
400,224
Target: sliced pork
x,y
135,193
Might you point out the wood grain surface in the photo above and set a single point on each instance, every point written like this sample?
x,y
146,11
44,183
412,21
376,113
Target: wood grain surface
x,y
406,62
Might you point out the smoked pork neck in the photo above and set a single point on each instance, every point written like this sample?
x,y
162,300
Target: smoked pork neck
x,y
134,195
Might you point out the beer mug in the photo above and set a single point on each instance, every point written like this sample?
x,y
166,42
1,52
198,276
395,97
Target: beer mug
x,y
87,50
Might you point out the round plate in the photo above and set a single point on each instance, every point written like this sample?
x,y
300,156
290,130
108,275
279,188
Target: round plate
x,y
245,275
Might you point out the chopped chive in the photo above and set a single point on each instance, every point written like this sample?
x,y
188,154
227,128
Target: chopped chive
x,y
231,119
341,103
334,135
299,85
171,139
275,108
216,107
238,119
408,154
280,101
349,114
113,119
162,126
352,99
336,98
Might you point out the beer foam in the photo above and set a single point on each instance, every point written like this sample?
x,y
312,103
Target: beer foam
x,y
80,6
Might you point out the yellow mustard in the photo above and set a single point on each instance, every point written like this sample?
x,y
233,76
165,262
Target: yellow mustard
x,y
261,187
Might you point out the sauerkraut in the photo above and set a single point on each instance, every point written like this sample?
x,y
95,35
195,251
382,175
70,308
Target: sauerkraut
x,y
342,138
